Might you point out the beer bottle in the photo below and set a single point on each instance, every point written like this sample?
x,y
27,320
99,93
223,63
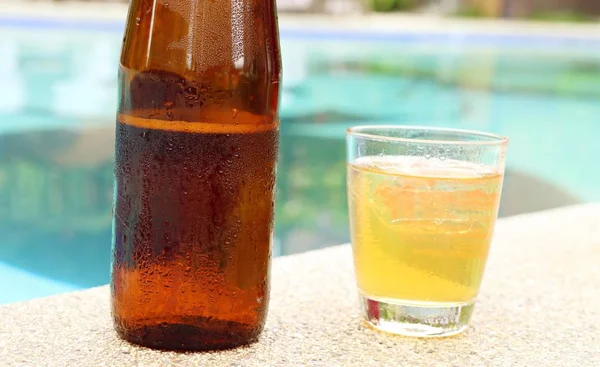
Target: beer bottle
x,y
196,149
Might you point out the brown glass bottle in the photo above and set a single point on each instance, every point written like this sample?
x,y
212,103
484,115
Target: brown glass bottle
x,y
196,148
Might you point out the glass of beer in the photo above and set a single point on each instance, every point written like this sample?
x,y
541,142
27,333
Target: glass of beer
x,y
196,149
423,204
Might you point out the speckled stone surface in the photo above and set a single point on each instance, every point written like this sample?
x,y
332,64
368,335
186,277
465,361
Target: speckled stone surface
x,y
539,306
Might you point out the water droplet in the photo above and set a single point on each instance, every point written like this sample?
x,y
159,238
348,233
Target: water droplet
x,y
138,20
234,112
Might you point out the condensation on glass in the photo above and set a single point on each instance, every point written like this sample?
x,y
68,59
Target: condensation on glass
x,y
196,148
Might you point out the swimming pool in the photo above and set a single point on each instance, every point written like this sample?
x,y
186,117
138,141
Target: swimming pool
x,y
58,98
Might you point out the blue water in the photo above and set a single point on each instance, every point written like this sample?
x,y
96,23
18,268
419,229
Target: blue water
x,y
58,100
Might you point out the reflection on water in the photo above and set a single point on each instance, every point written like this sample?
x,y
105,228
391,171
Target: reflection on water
x,y
56,190
57,108
56,195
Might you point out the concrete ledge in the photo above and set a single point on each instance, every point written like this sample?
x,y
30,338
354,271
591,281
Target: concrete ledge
x,y
540,306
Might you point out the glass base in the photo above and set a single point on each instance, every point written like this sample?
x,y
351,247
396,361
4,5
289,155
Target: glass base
x,y
427,319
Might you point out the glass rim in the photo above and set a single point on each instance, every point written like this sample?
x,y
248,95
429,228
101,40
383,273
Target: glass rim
x,y
494,138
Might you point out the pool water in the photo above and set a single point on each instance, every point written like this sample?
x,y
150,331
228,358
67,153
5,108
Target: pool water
x,y
57,108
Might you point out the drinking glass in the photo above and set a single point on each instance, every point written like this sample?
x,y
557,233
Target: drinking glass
x,y
423,204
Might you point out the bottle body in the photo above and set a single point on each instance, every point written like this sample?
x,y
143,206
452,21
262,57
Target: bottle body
x,y
196,150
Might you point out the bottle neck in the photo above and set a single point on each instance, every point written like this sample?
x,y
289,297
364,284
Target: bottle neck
x,y
204,55
198,35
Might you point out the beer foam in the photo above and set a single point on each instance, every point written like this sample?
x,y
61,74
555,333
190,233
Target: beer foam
x,y
418,166
253,124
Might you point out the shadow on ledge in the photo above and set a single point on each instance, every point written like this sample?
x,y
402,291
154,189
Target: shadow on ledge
x,y
525,193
